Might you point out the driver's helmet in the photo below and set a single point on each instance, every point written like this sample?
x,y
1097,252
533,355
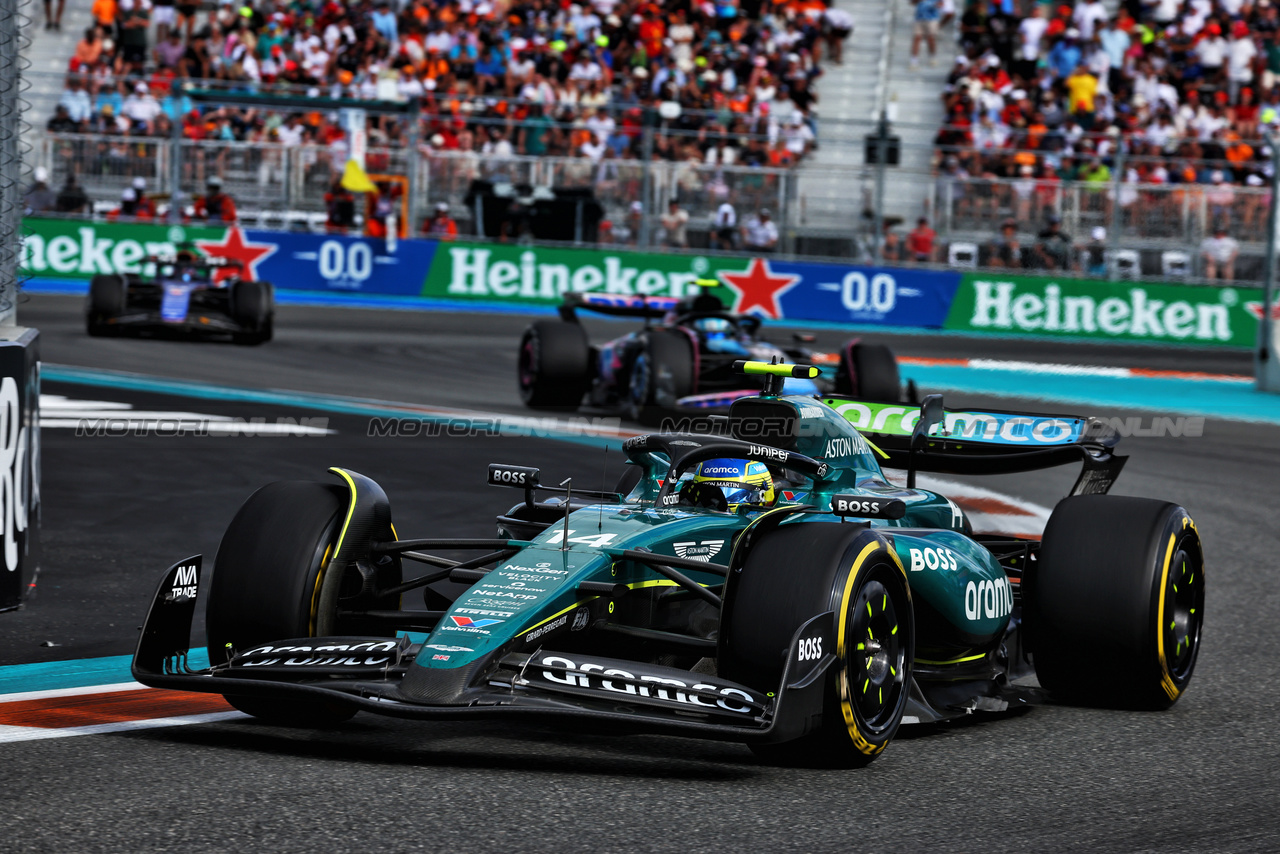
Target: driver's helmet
x,y
186,256
741,481
713,329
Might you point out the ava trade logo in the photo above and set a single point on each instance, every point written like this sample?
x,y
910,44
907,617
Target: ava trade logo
x,y
234,247
468,623
759,287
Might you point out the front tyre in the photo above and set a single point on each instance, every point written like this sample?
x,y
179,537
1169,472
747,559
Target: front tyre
x,y
868,372
1115,606
266,585
253,307
801,570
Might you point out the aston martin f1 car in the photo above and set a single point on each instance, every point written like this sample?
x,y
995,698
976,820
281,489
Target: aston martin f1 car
x,y
683,363
808,626
184,294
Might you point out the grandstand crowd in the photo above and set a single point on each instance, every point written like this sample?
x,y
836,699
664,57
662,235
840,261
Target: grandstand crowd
x,y
1058,91
734,77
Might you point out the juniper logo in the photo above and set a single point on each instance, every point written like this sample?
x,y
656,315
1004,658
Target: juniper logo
x,y
1025,307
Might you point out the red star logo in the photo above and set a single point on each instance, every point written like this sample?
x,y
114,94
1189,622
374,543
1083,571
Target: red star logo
x,y
1255,308
758,287
233,247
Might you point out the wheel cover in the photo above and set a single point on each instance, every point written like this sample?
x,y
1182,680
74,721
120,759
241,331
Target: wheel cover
x,y
1183,613
877,656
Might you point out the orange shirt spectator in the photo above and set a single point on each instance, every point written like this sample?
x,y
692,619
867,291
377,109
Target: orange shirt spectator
x,y
104,12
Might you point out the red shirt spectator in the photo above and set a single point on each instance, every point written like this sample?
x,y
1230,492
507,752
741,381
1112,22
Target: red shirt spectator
x,y
920,241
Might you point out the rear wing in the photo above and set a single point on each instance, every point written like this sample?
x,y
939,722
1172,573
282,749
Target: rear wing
x,y
988,441
616,305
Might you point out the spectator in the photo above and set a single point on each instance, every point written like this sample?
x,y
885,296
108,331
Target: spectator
x,y
891,248
920,241
76,100
215,206
675,226
53,19
141,109
72,198
39,198
1095,253
340,205
1006,249
837,25
1219,253
440,225
134,18
925,28
760,234
88,50
61,121
1053,247
725,226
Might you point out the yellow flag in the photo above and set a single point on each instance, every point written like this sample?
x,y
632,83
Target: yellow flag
x,y
356,179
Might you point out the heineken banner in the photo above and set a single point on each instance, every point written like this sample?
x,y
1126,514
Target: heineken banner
x,y
488,274
496,273
1116,311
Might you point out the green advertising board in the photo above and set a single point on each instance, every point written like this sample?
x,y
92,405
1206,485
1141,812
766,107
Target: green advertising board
x,y
79,249
1117,311
538,275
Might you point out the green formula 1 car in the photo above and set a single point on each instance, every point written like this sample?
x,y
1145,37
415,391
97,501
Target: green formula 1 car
x,y
768,586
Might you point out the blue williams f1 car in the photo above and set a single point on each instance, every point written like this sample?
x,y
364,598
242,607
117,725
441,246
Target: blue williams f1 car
x,y
182,295
768,586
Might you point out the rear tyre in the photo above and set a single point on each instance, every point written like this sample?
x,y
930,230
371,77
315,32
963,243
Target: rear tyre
x,y
869,372
253,307
661,374
266,585
1115,605
794,573
554,365
107,300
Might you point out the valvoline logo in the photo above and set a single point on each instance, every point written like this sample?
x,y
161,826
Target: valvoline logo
x,y
468,623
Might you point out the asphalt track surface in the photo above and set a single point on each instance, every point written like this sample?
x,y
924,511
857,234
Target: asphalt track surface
x,y
1204,776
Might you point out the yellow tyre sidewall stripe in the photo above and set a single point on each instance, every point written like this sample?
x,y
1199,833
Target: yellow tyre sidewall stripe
x,y
846,704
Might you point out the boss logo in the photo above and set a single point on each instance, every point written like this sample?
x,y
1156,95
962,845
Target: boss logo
x,y
500,475
861,505
938,558
810,649
854,506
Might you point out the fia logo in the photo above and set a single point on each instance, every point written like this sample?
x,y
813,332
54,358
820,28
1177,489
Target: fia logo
x,y
703,551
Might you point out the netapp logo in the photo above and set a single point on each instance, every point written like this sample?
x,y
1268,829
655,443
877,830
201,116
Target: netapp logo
x,y
657,687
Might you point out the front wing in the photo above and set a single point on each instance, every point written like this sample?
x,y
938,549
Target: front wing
x,y
370,673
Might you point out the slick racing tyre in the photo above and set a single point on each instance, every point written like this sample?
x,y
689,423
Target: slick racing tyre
x,y
554,366
796,572
661,374
868,372
1115,604
266,586
107,299
253,307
